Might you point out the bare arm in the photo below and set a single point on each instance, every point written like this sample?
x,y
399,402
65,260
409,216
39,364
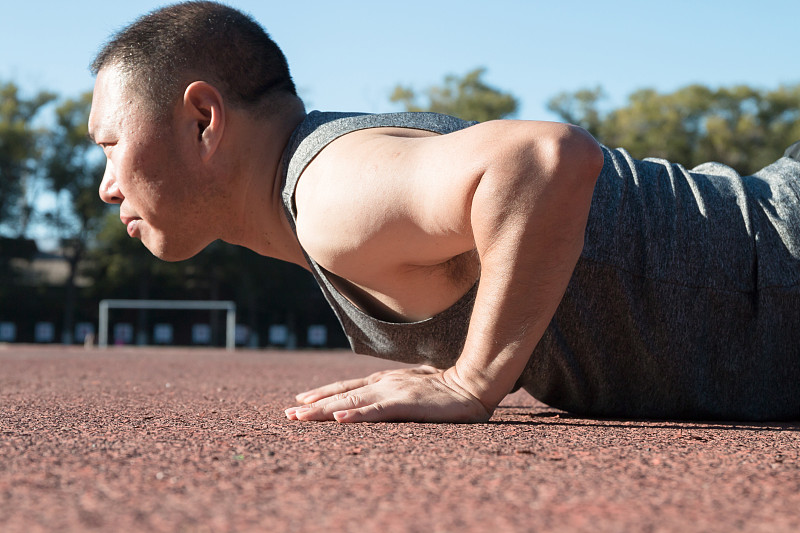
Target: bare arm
x,y
519,193
528,218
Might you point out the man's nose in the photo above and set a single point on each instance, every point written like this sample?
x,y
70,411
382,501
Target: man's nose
x,y
109,191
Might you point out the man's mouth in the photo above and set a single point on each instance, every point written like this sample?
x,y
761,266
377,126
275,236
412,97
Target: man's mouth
x,y
131,223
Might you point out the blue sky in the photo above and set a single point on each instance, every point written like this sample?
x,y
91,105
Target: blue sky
x,y
347,55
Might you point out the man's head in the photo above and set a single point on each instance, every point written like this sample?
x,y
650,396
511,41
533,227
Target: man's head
x,y
163,51
180,97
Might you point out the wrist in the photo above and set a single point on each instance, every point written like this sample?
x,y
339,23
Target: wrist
x,y
475,385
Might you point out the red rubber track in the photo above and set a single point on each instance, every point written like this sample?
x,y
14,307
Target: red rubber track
x,y
196,440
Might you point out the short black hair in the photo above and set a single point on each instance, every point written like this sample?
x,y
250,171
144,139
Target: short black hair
x,y
165,50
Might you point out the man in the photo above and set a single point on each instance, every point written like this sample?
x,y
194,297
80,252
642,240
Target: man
x,y
464,247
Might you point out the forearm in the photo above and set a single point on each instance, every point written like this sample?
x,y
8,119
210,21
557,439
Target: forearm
x,y
529,231
509,318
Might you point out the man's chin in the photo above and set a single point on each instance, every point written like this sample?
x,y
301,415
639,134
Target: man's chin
x,y
174,257
165,253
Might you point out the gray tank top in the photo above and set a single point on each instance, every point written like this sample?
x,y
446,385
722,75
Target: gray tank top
x,y
438,340
685,302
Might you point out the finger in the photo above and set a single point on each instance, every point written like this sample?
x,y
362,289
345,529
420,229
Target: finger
x,y
324,409
329,390
370,413
346,417
380,412
290,413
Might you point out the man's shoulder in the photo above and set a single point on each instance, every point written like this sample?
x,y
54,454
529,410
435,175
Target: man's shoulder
x,y
320,129
323,127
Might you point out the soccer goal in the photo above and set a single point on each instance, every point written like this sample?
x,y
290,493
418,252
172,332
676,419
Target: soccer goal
x,y
210,305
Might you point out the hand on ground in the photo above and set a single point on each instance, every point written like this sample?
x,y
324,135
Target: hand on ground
x,y
421,394
339,387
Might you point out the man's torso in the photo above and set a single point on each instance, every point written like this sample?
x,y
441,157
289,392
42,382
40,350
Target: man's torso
x,y
384,262
684,303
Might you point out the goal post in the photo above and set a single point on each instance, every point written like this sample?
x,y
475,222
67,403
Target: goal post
x,y
210,305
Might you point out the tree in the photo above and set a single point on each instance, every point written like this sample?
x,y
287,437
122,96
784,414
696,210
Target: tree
x,y
580,108
469,98
74,169
740,126
20,147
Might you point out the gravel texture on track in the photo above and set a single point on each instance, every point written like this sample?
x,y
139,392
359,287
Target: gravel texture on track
x,y
195,440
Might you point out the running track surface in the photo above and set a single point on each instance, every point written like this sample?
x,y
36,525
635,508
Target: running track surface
x,y
195,440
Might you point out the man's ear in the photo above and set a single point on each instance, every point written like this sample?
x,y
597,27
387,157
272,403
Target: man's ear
x,y
204,111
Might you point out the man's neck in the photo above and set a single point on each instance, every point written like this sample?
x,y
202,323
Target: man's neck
x,y
261,223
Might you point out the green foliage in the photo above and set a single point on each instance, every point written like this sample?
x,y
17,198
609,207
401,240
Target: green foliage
x,y
579,108
469,98
20,147
74,168
740,126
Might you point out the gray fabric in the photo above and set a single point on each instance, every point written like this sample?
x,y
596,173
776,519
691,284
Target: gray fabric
x,y
685,302
438,340
793,151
